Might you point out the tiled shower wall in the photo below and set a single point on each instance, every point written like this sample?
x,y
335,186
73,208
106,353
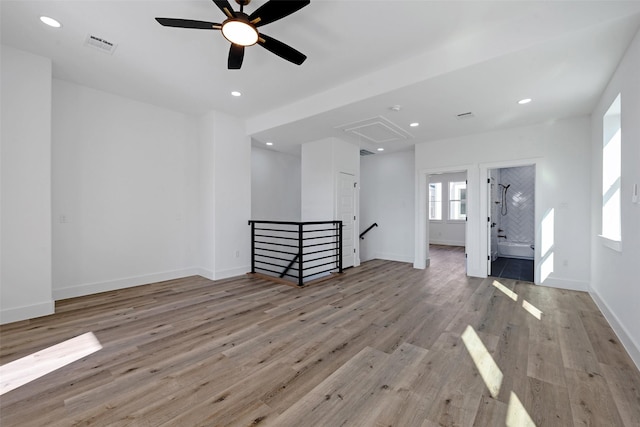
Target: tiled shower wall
x,y
519,223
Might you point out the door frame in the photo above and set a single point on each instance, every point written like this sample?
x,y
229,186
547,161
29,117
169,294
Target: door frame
x,y
356,213
485,207
421,244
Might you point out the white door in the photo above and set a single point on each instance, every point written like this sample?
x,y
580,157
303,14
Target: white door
x,y
346,213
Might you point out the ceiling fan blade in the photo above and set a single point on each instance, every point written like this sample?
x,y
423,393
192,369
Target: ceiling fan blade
x,y
188,23
282,50
236,55
276,9
225,7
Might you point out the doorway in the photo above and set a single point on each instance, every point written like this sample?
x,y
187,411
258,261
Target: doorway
x,y
346,209
511,225
447,213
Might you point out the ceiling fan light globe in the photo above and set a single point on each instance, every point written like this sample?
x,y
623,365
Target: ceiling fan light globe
x,y
239,32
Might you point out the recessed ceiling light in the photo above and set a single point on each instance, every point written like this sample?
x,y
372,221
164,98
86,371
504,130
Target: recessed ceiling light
x,y
269,143
414,124
524,101
380,149
236,93
50,22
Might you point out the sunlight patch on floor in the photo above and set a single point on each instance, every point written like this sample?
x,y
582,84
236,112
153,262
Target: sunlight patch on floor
x,y
22,371
517,415
489,371
532,309
508,292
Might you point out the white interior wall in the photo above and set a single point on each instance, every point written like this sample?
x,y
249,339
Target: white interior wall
x,y
322,161
134,193
275,185
387,198
446,232
25,179
206,196
232,182
562,153
224,196
614,275
124,192
317,181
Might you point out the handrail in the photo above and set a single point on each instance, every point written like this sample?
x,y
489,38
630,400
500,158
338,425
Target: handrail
x,y
375,224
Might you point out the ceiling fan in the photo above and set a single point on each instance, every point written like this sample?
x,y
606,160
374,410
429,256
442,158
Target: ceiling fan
x,y
242,30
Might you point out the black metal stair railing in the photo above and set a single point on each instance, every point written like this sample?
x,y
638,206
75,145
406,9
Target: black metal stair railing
x,y
375,224
302,251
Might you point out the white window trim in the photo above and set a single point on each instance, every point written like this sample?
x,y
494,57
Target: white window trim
x,y
616,245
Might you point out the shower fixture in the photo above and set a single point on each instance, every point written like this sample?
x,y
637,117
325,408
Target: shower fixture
x,y
503,208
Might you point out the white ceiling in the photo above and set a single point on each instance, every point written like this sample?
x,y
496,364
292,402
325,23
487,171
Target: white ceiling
x,y
434,58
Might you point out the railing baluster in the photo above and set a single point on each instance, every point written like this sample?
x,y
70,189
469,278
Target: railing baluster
x,y
339,246
253,247
300,254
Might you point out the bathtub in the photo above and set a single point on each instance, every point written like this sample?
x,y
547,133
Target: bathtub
x,y
515,250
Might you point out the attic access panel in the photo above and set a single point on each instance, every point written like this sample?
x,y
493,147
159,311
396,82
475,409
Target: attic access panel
x,y
377,130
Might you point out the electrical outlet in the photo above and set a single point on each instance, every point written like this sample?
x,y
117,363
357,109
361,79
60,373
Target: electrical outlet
x,y
237,254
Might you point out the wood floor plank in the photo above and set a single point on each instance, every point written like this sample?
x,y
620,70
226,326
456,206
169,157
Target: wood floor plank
x,y
383,340
592,403
545,362
547,404
334,400
623,383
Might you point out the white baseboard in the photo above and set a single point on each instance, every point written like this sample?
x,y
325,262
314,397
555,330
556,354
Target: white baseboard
x,y
394,257
127,282
633,349
446,242
231,272
16,314
207,274
568,284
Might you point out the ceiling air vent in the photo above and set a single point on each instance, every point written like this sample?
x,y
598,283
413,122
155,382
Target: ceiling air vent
x,y
100,44
463,116
366,152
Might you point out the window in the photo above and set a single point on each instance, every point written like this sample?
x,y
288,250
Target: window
x,y
611,172
458,201
435,201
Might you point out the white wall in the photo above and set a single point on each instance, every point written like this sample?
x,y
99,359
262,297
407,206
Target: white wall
x,y
322,162
225,196
446,232
124,192
387,198
317,181
614,275
232,156
275,185
561,150
25,174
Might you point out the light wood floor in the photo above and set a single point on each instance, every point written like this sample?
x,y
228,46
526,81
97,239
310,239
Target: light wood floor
x,y
383,345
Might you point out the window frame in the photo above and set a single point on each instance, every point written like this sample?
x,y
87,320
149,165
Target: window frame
x,y
459,186
433,203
